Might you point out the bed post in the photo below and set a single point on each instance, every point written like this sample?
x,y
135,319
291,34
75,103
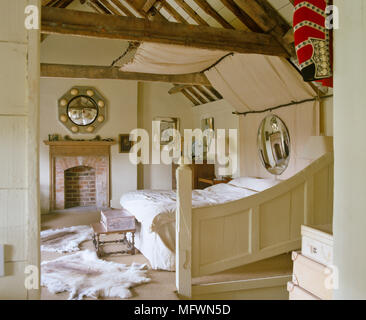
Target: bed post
x,y
184,230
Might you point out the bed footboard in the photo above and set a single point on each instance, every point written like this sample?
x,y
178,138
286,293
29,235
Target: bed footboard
x,y
217,238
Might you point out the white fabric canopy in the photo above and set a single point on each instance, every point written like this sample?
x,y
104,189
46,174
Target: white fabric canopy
x,y
256,82
247,82
171,59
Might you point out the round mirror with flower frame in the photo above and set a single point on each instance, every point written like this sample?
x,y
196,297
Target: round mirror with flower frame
x,y
82,110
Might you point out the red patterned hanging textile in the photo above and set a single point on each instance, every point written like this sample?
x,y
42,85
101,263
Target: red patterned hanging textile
x,y
313,41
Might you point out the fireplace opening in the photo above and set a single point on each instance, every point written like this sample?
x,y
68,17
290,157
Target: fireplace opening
x,y
80,190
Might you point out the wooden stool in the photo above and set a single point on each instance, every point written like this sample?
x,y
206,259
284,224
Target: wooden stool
x,y
99,229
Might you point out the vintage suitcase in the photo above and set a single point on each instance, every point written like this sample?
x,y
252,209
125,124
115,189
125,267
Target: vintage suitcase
x,y
312,276
317,243
297,293
117,219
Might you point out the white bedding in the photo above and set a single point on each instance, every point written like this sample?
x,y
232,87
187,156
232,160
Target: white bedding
x,y
155,212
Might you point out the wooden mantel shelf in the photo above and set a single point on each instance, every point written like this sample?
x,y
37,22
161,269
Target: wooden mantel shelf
x,y
78,143
79,148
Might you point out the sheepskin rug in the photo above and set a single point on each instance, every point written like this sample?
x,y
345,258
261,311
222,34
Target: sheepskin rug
x,y
83,274
65,239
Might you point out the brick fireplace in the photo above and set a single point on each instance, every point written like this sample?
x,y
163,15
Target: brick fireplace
x,y
79,173
80,190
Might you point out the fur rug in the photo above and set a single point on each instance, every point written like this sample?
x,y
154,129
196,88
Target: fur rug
x,y
84,275
65,239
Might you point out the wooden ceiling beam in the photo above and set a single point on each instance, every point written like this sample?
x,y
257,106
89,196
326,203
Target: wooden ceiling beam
x,y
100,6
148,5
174,13
193,96
111,9
248,22
205,6
123,8
95,7
190,97
193,14
177,88
46,2
257,13
57,3
289,36
268,19
100,72
51,3
152,14
194,93
64,3
202,89
214,92
54,3
282,27
78,23
134,6
204,93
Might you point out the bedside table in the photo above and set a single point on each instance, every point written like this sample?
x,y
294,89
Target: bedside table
x,y
213,181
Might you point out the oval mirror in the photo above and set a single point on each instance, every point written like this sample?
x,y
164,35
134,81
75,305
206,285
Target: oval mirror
x,y
274,144
82,110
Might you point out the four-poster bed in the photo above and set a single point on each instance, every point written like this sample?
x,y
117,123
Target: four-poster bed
x,y
266,224
211,239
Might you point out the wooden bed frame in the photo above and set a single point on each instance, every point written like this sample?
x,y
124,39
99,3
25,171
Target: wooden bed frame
x,y
218,238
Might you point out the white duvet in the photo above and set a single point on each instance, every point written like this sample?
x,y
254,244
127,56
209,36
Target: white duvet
x,y
155,210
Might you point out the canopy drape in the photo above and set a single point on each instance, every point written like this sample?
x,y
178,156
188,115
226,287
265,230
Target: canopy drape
x,y
171,59
257,82
247,82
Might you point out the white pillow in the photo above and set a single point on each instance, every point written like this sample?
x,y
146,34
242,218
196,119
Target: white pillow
x,y
254,183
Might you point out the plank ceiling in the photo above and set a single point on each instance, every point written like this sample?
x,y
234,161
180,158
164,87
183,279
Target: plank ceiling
x,y
214,13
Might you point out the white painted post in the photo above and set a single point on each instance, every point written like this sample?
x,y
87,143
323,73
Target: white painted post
x,y
33,204
184,230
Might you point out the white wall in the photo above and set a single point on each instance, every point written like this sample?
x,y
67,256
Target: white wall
x,y
221,111
81,50
154,101
350,150
121,97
